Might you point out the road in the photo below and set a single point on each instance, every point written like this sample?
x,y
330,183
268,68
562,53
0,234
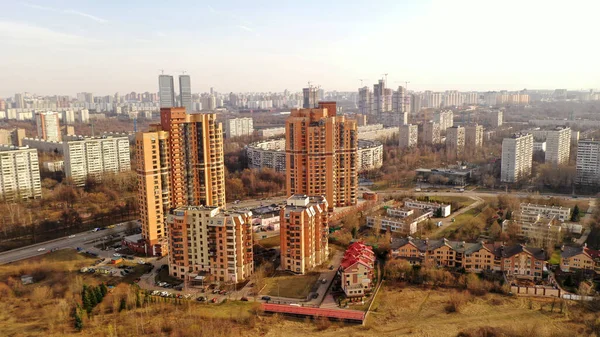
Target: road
x,y
80,240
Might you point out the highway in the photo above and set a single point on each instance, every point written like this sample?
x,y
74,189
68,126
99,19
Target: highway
x,y
79,240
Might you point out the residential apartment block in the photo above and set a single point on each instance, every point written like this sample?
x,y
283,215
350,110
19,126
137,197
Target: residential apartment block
x,y
588,163
304,233
409,135
561,213
496,118
13,137
92,157
429,133
540,230
473,136
444,210
369,155
271,132
517,155
237,127
19,173
404,220
210,240
267,154
516,261
179,163
558,146
321,150
357,269
48,126
455,140
445,119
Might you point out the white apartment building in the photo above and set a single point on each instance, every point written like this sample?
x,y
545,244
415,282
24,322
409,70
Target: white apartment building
x,y
539,146
369,155
271,132
561,213
455,139
558,145
94,156
430,133
496,118
588,163
445,119
237,127
540,230
267,154
48,126
19,173
473,136
409,135
432,206
517,155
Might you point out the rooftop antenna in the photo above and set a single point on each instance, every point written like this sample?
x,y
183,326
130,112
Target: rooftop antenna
x,y
162,71
183,72
385,77
361,81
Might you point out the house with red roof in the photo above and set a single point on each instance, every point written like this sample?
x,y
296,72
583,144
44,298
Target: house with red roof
x,y
357,268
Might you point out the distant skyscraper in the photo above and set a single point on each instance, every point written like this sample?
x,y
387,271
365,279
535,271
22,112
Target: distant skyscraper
x,y
166,91
321,151
310,96
19,102
409,135
185,92
558,145
455,140
365,101
517,154
473,136
430,133
48,126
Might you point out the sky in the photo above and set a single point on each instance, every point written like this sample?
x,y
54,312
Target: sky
x,y
108,46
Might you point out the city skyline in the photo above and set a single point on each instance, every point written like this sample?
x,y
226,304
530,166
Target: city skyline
x,y
230,46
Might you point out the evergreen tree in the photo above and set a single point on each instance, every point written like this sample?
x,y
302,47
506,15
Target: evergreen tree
x,y
92,298
98,294
83,291
103,289
78,322
87,302
123,305
576,214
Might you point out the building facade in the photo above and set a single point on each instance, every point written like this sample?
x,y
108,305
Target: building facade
x,y
271,132
357,270
321,151
561,213
588,163
19,173
473,136
267,154
208,240
180,163
185,92
238,127
370,155
92,157
430,133
455,140
166,91
48,126
304,233
409,136
517,155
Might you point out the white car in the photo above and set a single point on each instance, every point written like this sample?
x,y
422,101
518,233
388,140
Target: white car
x,y
295,305
41,249
71,236
117,255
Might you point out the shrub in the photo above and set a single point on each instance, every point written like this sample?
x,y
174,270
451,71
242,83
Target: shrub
x,y
456,302
322,323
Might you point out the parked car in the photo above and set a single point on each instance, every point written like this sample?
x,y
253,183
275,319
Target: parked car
x,y
314,296
201,299
244,299
331,267
324,281
117,255
71,236
215,291
266,298
295,305
214,300
41,249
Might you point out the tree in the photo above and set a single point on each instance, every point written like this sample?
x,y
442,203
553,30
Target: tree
x,y
495,230
70,218
397,269
103,289
122,305
78,322
575,217
98,294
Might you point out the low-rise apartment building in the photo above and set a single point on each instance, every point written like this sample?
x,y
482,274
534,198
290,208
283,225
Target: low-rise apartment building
x,y
357,269
561,213
407,223
210,241
539,229
444,210
304,233
579,258
515,261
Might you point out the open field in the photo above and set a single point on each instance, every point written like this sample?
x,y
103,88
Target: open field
x,y
462,201
291,286
270,242
460,220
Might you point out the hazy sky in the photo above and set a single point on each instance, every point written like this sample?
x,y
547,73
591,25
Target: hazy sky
x,y
104,46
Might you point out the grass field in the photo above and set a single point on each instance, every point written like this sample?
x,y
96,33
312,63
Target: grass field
x,y
460,220
291,286
462,201
270,242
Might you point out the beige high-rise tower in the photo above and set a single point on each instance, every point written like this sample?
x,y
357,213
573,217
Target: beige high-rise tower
x,y
321,150
179,163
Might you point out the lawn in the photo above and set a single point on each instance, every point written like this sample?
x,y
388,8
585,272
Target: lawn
x,y
462,201
460,220
270,242
291,286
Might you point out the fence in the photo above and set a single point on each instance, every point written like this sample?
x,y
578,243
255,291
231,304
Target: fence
x,y
536,291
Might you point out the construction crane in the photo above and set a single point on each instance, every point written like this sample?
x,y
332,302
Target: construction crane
x,y
361,81
385,76
183,72
162,71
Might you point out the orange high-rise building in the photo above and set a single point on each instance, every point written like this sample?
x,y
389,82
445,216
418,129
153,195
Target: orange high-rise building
x,y
179,163
321,150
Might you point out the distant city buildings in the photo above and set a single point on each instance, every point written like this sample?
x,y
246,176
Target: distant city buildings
x,y
558,144
304,233
166,91
369,155
12,137
409,136
588,163
92,157
185,92
321,150
48,126
271,132
444,118
238,127
496,118
19,173
430,133
517,154
267,154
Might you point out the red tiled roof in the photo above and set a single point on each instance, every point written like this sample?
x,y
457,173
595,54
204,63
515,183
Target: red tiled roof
x,y
593,253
